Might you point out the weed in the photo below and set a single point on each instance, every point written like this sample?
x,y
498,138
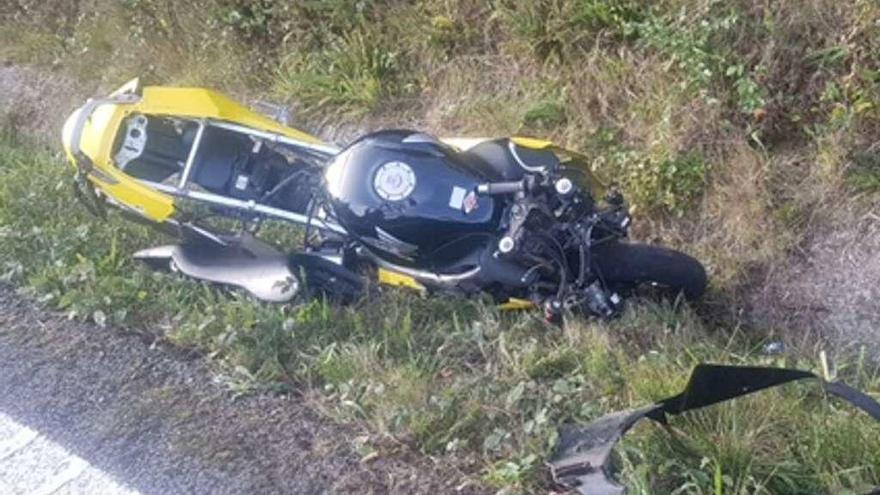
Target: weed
x,y
729,125
352,73
665,183
557,30
545,114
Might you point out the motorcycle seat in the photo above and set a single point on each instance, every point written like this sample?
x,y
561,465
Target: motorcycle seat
x,y
496,157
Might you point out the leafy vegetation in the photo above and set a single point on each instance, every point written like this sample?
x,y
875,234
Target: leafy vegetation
x,y
729,125
351,74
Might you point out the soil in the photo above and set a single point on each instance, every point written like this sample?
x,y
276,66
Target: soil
x,y
831,288
38,101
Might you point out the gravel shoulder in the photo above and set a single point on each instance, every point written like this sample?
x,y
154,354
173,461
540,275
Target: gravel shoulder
x,y
153,418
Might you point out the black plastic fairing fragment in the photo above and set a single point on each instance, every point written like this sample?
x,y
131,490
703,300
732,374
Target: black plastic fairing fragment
x,y
583,453
582,457
710,384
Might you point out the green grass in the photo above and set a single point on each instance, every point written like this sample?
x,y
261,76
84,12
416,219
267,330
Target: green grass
x,y
731,127
352,74
447,376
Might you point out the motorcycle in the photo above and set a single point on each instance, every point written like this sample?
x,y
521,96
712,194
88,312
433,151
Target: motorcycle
x,y
520,219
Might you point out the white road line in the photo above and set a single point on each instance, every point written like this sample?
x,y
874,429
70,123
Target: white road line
x,y
31,464
18,441
75,467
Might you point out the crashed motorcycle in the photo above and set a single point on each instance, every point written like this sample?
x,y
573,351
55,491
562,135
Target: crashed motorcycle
x,y
519,219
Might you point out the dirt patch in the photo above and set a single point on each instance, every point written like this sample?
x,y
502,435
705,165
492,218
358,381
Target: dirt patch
x,y
38,101
832,287
155,420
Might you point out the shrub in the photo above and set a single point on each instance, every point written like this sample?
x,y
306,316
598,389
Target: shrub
x,y
352,74
561,30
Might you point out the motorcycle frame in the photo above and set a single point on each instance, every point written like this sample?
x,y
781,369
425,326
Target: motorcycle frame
x,y
183,189
90,133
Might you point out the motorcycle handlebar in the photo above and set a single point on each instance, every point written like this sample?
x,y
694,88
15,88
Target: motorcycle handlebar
x,y
495,188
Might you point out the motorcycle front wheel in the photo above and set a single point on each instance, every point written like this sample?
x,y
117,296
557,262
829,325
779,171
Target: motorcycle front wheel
x,y
628,265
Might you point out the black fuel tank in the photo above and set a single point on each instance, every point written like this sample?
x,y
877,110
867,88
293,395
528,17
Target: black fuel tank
x,y
407,196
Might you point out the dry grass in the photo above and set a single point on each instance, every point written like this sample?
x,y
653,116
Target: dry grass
x,y
737,203
739,130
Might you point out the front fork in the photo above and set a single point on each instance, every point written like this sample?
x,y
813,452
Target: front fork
x,y
592,297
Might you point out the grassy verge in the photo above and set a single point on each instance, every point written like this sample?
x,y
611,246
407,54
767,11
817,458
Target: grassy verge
x,y
450,377
733,127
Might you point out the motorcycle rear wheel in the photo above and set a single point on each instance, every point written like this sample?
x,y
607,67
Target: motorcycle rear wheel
x,y
627,265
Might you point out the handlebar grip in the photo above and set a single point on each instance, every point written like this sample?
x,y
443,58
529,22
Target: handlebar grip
x,y
495,188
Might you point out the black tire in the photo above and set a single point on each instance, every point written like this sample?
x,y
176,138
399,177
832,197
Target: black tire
x,y
625,265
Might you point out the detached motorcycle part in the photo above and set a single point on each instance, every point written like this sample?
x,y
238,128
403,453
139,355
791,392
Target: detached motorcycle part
x,y
630,264
583,454
248,264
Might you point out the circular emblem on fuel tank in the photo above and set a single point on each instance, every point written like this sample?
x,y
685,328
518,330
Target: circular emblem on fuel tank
x,y
394,181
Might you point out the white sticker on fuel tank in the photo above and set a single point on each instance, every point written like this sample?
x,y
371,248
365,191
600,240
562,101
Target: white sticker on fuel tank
x,y
457,198
241,182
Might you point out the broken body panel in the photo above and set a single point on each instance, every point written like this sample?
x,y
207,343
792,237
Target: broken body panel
x,y
91,132
582,459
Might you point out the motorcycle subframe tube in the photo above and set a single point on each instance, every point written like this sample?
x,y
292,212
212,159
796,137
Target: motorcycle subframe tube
x,y
182,191
250,206
191,158
423,276
323,149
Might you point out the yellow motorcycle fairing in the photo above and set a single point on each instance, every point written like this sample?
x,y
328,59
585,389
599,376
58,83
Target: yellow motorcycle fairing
x,y
394,279
102,125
